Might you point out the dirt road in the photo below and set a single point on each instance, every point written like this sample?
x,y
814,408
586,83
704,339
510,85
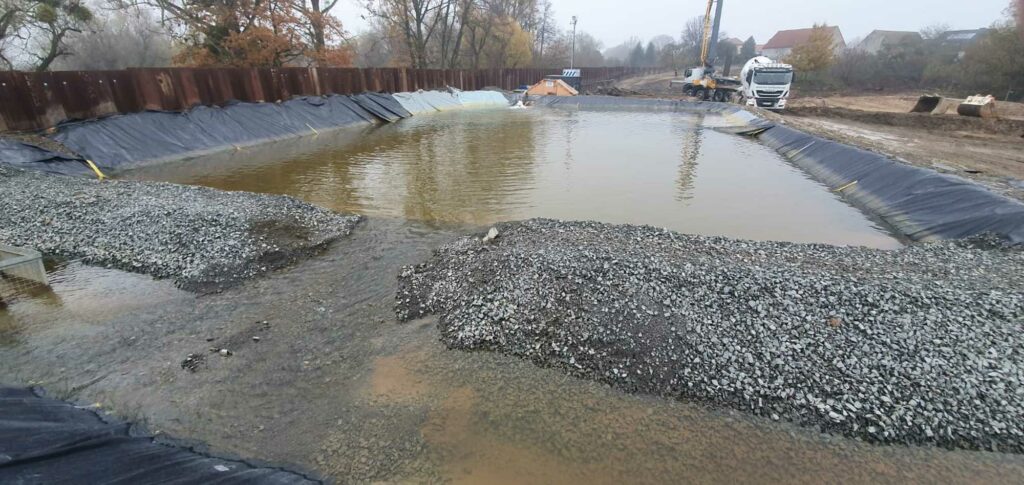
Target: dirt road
x,y
652,85
900,103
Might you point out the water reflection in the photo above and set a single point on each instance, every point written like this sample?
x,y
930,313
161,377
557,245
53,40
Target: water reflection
x,y
691,135
82,293
479,167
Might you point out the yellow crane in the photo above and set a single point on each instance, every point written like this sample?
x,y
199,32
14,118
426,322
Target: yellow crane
x,y
701,81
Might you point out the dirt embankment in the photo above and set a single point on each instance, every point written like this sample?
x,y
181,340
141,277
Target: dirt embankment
x,y
922,121
652,85
994,161
988,151
891,104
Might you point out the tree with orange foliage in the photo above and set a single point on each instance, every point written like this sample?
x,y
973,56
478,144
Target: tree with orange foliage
x,y
817,53
253,33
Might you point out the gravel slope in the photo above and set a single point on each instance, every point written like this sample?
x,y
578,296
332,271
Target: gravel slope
x,y
201,237
920,345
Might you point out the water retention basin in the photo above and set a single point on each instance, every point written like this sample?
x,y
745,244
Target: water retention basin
x,y
478,167
321,375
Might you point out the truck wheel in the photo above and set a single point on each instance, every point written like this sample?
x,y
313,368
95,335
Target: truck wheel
x,y
688,90
701,94
717,97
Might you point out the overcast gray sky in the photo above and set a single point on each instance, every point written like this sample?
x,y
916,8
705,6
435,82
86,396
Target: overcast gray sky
x,y
614,21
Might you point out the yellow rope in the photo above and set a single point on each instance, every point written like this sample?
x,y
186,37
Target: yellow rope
x,y
840,189
96,169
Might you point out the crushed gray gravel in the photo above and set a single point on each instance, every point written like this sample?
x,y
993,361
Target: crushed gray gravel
x,y
203,238
921,345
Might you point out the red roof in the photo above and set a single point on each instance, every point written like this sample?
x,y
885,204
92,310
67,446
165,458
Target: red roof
x,y
787,39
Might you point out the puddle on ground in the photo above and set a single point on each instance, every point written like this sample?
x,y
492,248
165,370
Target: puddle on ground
x,y
334,384
83,293
490,419
478,167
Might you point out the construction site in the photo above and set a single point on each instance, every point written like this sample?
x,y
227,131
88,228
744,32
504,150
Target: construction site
x,y
516,275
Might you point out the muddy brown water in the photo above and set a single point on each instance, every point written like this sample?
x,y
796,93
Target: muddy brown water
x,y
336,386
478,167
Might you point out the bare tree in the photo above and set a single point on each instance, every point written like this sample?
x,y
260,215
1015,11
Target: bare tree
x,y
545,31
473,33
50,22
12,18
319,24
692,37
621,52
1017,9
588,51
118,40
454,16
374,47
417,21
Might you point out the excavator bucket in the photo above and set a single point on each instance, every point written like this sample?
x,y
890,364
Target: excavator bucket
x,y
934,104
978,107
926,104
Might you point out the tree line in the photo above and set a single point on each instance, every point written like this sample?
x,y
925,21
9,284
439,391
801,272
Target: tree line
x,y
111,34
114,34
993,64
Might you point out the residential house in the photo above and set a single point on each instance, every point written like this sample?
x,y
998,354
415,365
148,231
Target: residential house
x,y
736,44
957,41
782,43
878,40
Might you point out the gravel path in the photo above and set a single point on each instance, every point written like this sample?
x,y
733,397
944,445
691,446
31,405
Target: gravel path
x,y
922,345
201,237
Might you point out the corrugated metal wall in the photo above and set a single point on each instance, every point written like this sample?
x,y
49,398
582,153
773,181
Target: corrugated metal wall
x,y
35,101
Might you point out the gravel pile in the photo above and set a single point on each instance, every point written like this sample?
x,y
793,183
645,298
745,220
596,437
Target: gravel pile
x,y
201,237
922,345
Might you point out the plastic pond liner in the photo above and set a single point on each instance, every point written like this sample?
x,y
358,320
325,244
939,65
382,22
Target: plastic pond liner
x,y
44,440
920,203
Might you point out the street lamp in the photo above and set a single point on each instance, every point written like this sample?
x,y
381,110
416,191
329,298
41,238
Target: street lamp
x,y
572,56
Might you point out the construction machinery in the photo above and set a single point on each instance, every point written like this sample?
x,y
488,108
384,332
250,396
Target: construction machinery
x,y
763,82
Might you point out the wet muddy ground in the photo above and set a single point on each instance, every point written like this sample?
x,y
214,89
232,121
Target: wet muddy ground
x,y
336,385
324,378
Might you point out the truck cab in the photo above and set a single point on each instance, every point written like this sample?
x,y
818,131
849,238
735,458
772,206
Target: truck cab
x,y
766,83
692,82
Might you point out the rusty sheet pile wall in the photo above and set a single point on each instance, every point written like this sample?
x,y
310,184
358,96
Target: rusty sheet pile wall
x,y
35,101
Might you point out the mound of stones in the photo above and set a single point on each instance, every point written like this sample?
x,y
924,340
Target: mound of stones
x,y
921,345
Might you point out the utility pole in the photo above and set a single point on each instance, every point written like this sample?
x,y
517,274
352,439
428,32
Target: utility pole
x,y
572,57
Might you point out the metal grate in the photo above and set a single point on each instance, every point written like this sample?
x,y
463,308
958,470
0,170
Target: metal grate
x,y
21,272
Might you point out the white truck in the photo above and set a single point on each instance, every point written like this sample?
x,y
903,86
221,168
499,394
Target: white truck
x,y
703,84
765,83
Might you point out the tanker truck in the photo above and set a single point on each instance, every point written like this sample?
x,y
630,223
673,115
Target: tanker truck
x,y
765,83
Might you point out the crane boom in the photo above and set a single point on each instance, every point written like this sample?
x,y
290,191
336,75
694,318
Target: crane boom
x,y
709,40
763,82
